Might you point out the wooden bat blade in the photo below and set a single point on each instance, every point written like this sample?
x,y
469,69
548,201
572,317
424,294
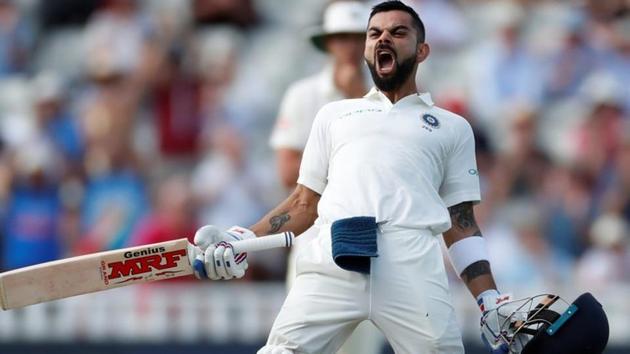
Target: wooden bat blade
x,y
112,269
94,272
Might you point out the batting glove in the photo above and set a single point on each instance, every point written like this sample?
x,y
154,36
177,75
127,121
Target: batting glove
x,y
218,260
491,324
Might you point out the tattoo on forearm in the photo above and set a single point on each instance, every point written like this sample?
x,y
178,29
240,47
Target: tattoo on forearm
x,y
475,270
463,218
277,221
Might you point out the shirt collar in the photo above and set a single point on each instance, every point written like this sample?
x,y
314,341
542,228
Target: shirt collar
x,y
423,98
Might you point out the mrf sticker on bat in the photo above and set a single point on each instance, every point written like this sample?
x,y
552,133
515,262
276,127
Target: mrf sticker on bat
x,y
140,264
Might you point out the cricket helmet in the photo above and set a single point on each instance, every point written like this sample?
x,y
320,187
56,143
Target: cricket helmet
x,y
547,324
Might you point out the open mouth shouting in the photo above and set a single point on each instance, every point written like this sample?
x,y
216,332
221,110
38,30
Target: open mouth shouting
x,y
385,59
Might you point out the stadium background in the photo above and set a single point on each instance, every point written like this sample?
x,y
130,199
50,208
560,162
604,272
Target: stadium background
x,y
128,122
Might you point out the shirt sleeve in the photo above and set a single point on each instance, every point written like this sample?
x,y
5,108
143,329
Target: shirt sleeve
x,y
461,177
315,160
288,131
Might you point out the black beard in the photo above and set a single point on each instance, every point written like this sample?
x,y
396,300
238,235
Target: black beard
x,y
403,71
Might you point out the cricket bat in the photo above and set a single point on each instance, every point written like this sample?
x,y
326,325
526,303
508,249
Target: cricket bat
x,y
112,269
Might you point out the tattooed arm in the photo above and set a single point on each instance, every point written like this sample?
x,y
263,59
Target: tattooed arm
x,y
477,276
297,213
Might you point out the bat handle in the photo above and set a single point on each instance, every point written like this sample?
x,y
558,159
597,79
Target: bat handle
x,y
284,239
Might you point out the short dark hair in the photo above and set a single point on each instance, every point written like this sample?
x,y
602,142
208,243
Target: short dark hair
x,y
392,5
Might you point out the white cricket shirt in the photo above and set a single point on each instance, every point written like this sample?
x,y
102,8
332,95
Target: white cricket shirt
x,y
402,163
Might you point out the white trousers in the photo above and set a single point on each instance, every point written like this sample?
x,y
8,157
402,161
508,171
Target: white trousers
x,y
406,296
366,338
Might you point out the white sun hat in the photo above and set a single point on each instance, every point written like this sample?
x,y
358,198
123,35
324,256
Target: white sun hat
x,y
341,17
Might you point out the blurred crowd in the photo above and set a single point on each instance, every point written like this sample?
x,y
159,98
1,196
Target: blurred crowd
x,y
125,122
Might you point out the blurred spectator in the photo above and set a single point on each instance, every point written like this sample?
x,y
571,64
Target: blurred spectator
x,y
55,119
520,255
567,201
6,172
116,37
571,65
617,60
616,198
109,108
236,12
220,55
177,106
599,137
115,201
517,169
502,70
33,214
16,39
172,215
62,13
445,23
608,261
448,33
525,162
16,110
224,185
605,11
115,196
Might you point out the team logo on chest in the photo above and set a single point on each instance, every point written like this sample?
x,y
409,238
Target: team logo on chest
x,y
430,121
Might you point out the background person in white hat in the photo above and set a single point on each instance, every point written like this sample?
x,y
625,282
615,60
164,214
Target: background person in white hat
x,y
342,38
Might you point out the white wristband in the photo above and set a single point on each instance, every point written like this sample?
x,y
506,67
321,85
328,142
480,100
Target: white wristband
x,y
466,252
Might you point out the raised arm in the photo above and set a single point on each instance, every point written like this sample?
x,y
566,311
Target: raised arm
x,y
467,249
296,213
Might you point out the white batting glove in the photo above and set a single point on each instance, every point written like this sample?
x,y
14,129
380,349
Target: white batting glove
x,y
492,320
218,260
